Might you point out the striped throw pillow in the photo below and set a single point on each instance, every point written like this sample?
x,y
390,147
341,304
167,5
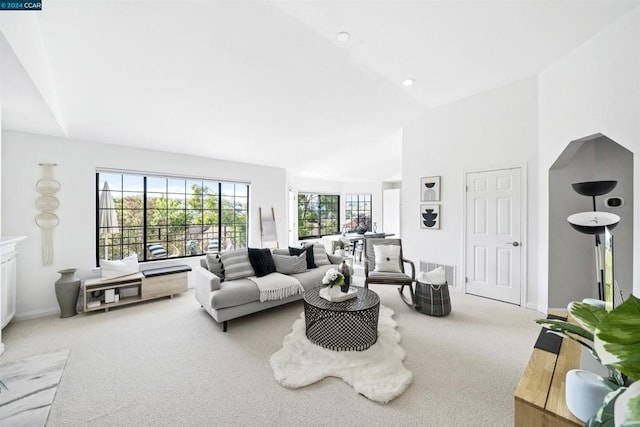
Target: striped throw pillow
x,y
157,250
236,264
320,255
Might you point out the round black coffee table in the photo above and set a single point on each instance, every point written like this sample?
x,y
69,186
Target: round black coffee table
x,y
350,325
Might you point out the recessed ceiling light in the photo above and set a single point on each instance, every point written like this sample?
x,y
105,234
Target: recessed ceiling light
x,y
408,82
343,36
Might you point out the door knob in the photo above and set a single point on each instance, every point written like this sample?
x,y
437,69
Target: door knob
x,y
513,243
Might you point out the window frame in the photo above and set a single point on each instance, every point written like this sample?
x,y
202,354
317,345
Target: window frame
x,y
362,199
320,225
199,197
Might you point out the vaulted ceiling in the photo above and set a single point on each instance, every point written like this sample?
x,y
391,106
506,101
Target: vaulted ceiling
x,y
268,82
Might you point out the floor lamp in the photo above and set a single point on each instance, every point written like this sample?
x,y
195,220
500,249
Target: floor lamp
x,y
595,222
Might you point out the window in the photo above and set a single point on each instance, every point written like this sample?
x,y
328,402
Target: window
x,y
358,212
160,217
318,214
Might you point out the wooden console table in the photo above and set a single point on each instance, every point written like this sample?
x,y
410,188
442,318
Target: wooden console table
x,y
143,286
539,398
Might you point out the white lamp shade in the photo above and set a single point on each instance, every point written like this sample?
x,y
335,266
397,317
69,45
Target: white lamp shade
x,y
593,222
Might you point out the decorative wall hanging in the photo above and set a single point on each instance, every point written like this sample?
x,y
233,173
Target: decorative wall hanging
x,y
47,203
430,216
430,189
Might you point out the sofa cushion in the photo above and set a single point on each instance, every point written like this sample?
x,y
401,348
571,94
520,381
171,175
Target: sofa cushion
x,y
236,264
320,255
214,265
308,250
313,278
156,249
235,292
290,264
261,261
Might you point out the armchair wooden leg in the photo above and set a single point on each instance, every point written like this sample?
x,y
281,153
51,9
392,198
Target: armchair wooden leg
x,y
411,303
224,325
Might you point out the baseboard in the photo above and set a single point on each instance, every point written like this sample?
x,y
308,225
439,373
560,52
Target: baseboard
x,y
37,313
537,308
558,310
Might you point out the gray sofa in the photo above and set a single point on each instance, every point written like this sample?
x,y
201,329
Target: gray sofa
x,y
230,299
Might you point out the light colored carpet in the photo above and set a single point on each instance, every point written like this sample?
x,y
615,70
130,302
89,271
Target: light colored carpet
x,y
166,362
377,373
31,386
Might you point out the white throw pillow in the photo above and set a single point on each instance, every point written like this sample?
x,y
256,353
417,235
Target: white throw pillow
x,y
387,258
119,268
434,277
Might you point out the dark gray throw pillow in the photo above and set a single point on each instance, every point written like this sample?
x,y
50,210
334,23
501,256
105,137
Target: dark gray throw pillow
x,y
261,261
308,250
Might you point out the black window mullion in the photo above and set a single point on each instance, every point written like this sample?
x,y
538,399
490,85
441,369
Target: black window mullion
x,y
97,218
219,216
144,217
129,238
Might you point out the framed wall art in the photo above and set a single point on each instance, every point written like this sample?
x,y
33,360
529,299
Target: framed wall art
x,y
430,216
430,189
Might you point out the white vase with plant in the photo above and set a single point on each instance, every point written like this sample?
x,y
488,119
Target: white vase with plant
x,y
339,248
332,280
613,338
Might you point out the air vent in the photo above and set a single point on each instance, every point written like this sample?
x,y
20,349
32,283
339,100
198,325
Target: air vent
x,y
449,270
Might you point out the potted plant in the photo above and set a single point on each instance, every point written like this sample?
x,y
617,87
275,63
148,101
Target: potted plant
x,y
361,229
339,247
332,280
192,247
613,338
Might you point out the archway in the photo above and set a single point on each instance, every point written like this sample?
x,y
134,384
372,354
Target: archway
x,y
572,275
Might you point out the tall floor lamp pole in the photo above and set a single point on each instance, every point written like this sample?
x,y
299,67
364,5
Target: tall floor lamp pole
x,y
595,222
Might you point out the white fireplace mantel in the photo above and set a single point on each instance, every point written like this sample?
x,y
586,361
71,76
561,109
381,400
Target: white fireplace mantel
x,y
8,281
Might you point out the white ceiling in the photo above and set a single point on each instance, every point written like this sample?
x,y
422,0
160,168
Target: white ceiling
x,y
267,82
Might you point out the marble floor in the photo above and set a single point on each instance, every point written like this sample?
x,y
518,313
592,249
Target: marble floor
x,y
31,387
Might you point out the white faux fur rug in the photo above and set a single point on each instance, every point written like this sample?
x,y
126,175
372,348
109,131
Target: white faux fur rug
x,y
377,373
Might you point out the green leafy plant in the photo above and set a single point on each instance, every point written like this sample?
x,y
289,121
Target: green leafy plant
x,y
192,245
613,338
361,229
332,278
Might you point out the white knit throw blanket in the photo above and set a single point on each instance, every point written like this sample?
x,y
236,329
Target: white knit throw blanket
x,y
276,286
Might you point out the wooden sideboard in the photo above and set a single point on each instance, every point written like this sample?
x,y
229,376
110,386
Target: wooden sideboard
x,y
539,398
134,288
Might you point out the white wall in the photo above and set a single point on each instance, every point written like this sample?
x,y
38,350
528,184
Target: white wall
x,y
594,89
75,236
493,130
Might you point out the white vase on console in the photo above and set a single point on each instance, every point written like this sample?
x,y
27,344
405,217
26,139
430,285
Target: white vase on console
x,y
585,392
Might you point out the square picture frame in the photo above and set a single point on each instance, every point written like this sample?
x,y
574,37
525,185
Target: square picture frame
x,y
430,217
430,189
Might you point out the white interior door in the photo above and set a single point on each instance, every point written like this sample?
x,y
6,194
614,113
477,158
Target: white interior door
x,y
493,234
